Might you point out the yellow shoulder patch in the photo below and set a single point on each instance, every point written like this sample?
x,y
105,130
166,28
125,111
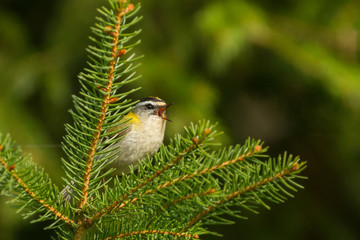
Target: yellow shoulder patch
x,y
132,121
132,116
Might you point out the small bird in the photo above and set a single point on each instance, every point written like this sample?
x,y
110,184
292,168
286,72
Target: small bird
x,y
142,134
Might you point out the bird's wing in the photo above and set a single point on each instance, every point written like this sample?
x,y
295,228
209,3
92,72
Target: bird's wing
x,y
121,129
118,131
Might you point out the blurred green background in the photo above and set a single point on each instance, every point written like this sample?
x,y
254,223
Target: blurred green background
x,y
286,72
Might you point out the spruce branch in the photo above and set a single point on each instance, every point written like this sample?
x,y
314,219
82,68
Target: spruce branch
x,y
11,171
150,188
185,186
118,204
209,191
157,232
107,99
20,175
100,105
251,187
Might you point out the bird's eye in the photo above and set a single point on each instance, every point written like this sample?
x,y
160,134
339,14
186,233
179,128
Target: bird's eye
x,y
149,106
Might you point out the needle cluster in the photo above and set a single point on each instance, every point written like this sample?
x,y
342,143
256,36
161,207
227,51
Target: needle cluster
x,y
185,186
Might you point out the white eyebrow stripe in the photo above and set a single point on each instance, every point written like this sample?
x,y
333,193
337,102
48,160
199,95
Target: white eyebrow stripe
x,y
151,102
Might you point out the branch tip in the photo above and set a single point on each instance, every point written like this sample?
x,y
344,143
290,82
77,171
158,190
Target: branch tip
x,y
112,100
110,31
101,88
11,168
120,53
129,8
295,167
106,100
211,191
257,148
207,131
251,187
33,195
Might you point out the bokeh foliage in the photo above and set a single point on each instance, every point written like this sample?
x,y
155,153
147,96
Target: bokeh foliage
x,y
285,72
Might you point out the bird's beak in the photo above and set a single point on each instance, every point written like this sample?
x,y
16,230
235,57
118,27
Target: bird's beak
x,y
161,112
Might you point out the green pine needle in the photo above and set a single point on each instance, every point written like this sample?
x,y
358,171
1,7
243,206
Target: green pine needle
x,y
184,187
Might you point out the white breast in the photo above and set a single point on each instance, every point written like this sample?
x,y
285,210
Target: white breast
x,y
143,138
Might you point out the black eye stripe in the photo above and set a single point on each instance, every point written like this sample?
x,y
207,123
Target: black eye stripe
x,y
149,106
153,104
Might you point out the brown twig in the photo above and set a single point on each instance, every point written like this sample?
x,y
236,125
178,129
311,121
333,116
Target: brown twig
x,y
160,232
11,170
106,101
237,193
115,53
116,205
213,168
207,192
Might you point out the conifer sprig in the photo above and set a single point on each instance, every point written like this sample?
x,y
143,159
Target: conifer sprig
x,y
28,184
120,201
154,232
185,186
197,189
264,189
100,105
